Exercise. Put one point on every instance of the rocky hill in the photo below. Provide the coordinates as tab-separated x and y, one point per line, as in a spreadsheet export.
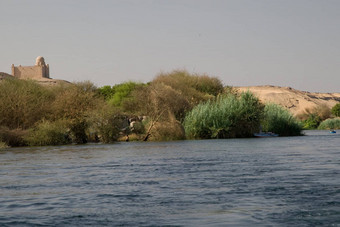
294	100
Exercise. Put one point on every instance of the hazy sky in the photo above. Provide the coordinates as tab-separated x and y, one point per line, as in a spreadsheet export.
292	43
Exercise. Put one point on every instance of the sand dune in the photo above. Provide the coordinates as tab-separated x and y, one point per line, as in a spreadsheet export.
294	100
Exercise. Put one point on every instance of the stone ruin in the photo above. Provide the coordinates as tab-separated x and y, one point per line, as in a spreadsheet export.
39	71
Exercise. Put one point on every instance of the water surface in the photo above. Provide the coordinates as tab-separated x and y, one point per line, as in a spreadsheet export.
288	181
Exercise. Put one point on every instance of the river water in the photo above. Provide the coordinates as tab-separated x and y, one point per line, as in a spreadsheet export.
288	181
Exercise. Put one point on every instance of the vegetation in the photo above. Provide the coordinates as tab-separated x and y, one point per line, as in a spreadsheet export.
281	121
173	106
122	93
168	98
106	124
2	144
312	122
195	88
330	124
226	117
49	133
23	103
12	137
313	117
336	110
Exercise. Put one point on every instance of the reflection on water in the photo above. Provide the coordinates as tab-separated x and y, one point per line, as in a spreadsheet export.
289	181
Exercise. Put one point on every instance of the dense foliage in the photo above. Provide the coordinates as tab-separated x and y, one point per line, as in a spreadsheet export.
336	110
48	133
226	117
40	115
175	105
330	124
312	117
281	121
23	103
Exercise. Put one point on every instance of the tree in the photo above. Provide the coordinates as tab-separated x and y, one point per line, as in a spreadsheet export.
73	103
23	103
163	105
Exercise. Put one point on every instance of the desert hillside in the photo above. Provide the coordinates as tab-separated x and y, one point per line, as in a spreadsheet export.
296	101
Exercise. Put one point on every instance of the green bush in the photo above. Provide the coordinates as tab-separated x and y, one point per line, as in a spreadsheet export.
226	117
312	122
336	110
121	92
279	120
106	91
107	123
49	133
330	124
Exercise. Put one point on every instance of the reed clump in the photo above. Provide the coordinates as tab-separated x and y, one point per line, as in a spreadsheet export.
329	124
281	121
228	116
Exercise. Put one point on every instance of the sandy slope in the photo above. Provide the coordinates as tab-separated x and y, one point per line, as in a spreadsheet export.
296	101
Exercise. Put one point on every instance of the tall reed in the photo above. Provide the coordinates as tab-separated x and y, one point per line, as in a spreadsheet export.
281	121
330	124
226	117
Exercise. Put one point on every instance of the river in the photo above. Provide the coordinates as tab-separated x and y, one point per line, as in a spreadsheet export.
283	181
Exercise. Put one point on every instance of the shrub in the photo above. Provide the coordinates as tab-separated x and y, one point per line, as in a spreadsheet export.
12	137
166	130
74	103
312	117
330	124
312	122
336	110
281	121
226	117
49	133
107	122
121	92
195	88
23	103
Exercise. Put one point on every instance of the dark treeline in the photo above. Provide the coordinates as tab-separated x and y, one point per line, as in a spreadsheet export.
173	106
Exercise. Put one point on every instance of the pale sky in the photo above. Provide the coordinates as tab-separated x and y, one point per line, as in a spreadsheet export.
292	43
